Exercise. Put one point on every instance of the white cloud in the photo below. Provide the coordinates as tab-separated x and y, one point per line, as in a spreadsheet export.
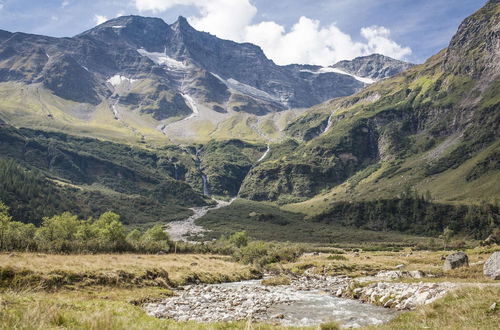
1	6
99	19
65	3
225	18
307	42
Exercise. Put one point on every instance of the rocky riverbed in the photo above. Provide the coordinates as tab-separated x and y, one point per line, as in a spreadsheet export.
308	300
182	230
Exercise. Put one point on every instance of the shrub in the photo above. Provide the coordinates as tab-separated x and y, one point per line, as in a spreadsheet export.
239	239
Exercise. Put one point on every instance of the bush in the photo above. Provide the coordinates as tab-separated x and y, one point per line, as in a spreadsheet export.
336	257
239	239
261	253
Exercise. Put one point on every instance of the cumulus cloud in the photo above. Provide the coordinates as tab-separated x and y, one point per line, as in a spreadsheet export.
225	18
99	19
307	42
64	4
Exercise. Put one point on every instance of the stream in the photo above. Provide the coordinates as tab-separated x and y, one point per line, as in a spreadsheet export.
288	305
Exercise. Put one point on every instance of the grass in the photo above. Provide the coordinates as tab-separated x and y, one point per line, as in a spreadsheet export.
275	281
180	268
466	308
370	262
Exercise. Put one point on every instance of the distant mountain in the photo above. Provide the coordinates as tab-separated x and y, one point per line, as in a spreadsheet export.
374	66
157	79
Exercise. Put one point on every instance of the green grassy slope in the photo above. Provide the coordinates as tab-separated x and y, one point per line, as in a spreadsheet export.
433	128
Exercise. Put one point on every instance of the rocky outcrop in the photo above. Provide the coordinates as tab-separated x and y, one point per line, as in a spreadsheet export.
491	267
398	295
456	260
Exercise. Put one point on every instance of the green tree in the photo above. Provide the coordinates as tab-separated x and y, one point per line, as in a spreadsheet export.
110	232
155	234
5	220
134	236
58	233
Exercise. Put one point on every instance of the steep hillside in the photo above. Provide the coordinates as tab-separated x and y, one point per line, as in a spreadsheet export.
432	128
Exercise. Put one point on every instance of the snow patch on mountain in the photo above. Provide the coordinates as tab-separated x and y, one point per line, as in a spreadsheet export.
117	80
335	70
163	59
247	89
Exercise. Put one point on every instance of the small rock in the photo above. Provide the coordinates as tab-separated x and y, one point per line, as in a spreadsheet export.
493	307
400	266
491	267
278	316
455	260
416	274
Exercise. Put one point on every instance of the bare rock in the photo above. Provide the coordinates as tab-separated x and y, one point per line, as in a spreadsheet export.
491	267
456	260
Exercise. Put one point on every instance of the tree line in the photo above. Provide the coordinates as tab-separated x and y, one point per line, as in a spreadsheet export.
415	214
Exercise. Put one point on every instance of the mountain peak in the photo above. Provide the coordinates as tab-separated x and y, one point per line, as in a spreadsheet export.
374	66
181	24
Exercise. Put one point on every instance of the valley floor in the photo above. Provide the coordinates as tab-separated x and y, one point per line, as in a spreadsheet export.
107	291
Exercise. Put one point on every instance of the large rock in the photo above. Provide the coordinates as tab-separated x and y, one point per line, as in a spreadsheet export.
492	266
455	260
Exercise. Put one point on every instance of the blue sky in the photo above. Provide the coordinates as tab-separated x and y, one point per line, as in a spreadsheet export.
330	29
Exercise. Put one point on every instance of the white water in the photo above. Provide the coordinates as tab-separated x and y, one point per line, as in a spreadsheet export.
178	230
313	307
205	185
264	155
191	104
329	124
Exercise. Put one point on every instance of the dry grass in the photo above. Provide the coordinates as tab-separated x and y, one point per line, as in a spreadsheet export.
276	280
369	263
178	266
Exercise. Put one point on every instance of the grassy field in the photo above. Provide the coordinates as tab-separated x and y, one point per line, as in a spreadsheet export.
268	222
353	263
115	303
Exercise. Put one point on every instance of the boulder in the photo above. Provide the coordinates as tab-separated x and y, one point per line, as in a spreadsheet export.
456	260
491	267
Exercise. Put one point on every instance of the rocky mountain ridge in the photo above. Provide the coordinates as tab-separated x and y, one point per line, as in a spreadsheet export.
158	79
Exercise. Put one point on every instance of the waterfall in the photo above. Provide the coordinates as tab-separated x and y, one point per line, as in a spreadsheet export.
204	178
329	124
264	155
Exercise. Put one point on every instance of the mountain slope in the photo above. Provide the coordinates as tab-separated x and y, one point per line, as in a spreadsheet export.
432	128
140	80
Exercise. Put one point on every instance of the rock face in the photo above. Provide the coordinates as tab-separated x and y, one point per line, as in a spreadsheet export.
456	260
492	266
173	57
